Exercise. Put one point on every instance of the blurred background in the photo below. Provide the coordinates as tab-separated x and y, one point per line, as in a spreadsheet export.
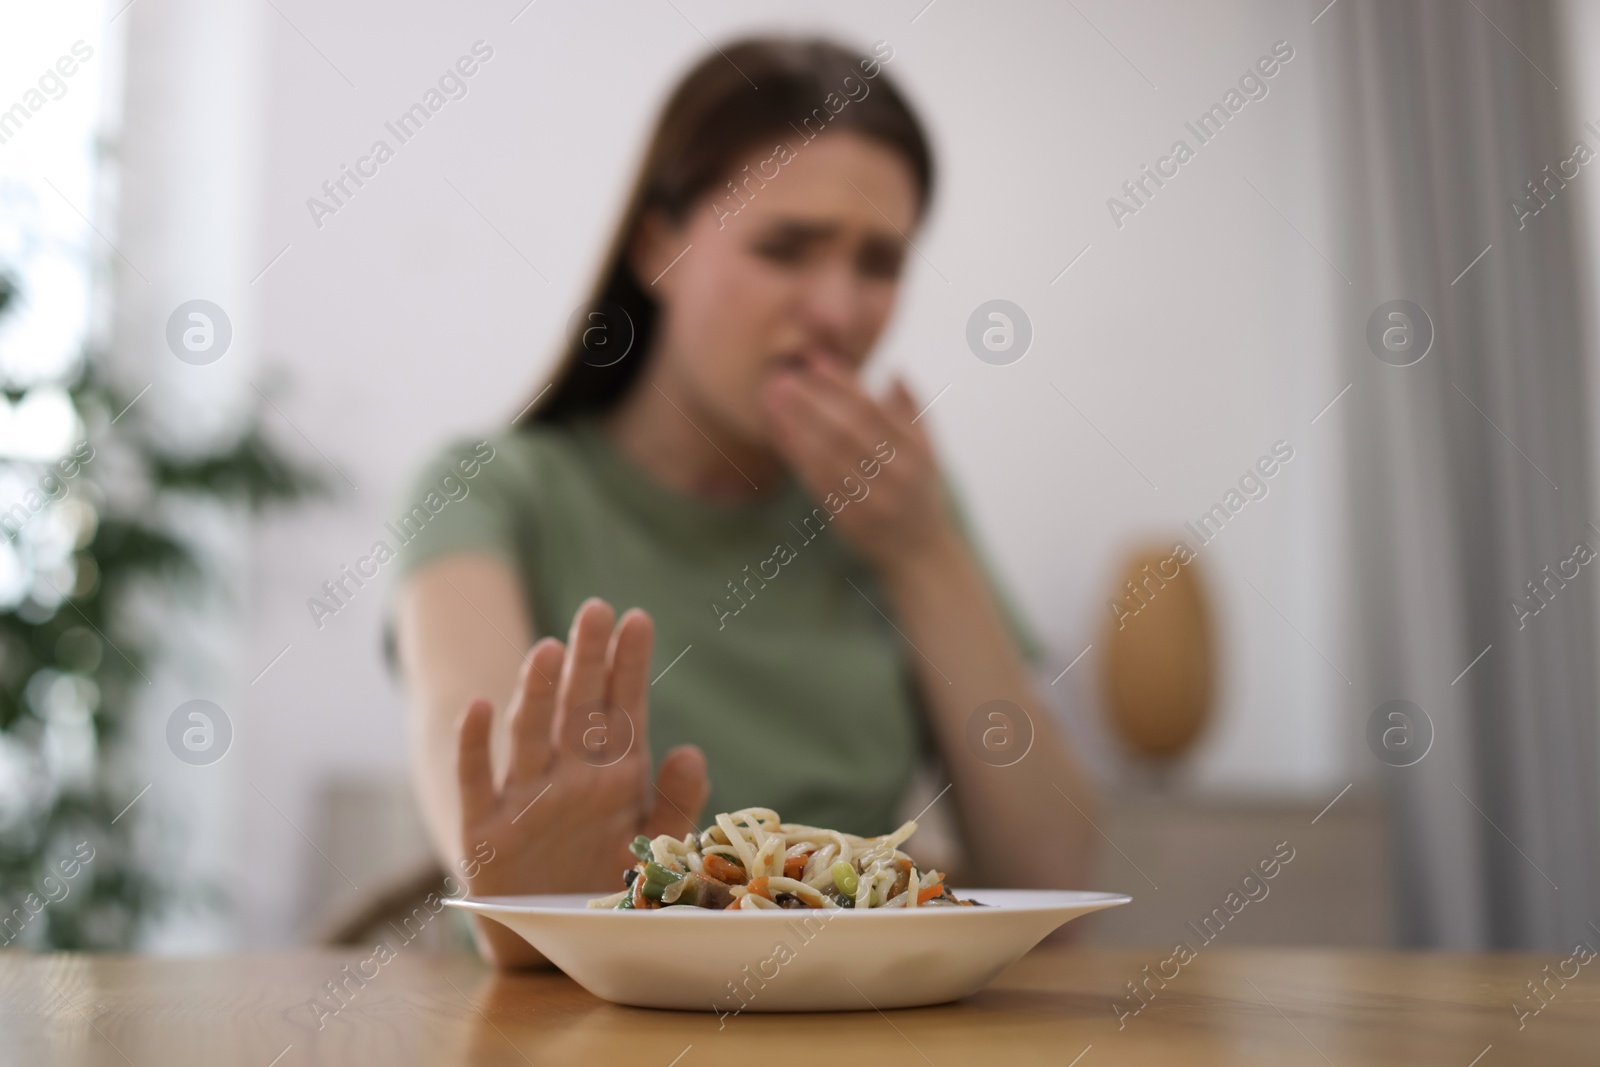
1382	265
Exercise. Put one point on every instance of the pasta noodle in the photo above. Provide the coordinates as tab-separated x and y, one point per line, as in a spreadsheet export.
750	860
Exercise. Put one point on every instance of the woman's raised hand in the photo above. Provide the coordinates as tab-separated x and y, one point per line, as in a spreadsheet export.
575	787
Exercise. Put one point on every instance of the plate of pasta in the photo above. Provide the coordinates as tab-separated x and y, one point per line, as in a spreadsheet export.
756	914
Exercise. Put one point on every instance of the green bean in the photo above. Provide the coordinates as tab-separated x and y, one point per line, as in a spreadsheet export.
657	878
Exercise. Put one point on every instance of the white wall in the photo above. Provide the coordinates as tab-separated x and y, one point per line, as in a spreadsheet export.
1193	337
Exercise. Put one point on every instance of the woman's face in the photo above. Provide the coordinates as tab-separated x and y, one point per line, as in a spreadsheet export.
806	267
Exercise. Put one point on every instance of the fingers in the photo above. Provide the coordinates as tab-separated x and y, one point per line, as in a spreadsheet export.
893	417
628	660
474	776
601	707
816	439
533	710
827	424
681	791
901	405
859	411
583	674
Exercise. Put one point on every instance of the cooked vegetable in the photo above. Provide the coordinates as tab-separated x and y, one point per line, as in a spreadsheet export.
749	860
720	868
657	878
696	890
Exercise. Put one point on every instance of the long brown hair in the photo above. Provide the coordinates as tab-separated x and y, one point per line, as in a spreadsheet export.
727	105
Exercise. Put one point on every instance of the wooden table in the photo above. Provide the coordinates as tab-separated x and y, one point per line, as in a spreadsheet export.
1281	1006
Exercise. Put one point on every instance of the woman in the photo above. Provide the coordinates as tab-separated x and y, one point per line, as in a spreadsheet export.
809	618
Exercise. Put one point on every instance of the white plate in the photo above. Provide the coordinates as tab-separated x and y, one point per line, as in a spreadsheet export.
791	960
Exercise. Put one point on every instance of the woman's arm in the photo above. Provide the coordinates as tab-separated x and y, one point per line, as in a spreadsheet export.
461	628
518	776
1018	821
462	631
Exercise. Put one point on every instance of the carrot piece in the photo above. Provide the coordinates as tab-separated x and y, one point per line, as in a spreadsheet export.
795	866
928	892
759	888
724	871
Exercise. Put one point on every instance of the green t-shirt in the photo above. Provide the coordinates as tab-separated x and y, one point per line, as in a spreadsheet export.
797	688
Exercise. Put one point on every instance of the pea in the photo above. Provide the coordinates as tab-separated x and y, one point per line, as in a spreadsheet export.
844	878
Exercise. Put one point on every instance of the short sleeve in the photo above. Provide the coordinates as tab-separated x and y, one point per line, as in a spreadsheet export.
456	503
1021	631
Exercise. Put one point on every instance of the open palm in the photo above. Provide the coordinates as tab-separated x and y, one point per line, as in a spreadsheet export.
576	787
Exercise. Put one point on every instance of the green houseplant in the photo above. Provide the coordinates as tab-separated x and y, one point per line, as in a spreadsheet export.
82	537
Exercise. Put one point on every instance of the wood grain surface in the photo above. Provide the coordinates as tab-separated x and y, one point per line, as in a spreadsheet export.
1268	1006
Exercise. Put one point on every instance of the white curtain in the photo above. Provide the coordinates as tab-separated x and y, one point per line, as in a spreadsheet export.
1469	470
189	164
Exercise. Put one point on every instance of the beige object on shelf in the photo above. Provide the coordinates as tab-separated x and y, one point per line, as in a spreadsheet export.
1160	653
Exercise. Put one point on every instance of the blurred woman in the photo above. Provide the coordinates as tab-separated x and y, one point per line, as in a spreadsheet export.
806	617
